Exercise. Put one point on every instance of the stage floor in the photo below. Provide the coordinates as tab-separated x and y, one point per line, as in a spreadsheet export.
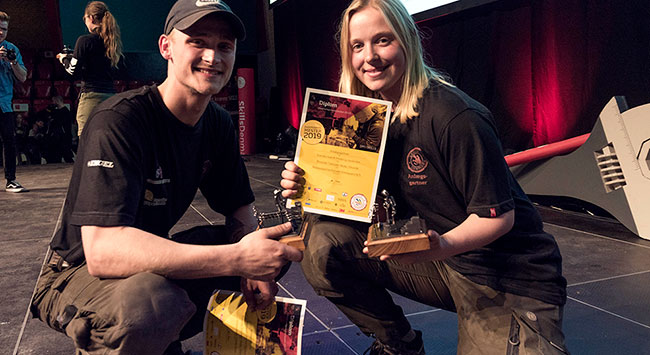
607	268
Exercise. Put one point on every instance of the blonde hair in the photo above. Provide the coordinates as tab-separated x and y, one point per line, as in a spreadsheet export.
108	30
417	75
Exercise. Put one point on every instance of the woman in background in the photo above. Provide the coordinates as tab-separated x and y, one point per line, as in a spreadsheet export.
95	57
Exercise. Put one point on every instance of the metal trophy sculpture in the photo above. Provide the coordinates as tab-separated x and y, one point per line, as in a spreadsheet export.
389	236
283	215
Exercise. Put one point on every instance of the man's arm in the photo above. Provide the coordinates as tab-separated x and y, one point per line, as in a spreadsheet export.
19	71
244	219
114	252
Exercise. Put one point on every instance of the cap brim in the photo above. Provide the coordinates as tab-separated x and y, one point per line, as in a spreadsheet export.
237	26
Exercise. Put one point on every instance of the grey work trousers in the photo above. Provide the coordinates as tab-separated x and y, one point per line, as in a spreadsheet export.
141	314
489	321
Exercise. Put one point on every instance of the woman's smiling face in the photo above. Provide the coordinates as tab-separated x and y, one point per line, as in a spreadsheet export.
377	58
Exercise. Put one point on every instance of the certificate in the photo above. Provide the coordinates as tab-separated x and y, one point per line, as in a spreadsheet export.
340	147
231	328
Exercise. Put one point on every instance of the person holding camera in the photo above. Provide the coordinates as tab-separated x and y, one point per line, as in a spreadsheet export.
94	59
11	69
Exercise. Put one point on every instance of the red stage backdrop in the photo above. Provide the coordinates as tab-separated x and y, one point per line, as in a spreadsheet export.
545	68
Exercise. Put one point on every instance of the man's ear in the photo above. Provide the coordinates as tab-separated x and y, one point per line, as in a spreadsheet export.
164	45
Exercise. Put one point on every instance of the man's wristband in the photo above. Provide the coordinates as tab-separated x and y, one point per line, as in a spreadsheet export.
14	62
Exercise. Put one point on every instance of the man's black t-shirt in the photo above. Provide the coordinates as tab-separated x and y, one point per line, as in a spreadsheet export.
451	165
139	166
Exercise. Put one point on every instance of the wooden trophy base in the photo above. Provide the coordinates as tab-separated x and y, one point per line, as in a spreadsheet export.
296	241
384	239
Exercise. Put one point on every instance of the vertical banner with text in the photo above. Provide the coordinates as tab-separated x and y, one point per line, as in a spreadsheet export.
246	100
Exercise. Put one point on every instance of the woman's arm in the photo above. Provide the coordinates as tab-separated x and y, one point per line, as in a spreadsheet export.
473	233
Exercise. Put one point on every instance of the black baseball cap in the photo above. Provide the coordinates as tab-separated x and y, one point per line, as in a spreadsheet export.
185	13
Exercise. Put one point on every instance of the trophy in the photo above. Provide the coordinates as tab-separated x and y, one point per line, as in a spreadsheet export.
389	236
282	215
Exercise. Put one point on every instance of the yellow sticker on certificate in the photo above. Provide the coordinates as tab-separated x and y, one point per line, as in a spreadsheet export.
340	146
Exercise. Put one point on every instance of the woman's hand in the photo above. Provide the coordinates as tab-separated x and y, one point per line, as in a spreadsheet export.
473	233
438	250
293	181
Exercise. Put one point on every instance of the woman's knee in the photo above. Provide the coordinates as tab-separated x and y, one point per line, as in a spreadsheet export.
329	241
331	251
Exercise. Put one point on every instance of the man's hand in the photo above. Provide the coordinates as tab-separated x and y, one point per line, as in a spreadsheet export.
3	54
292	180
258	294
261	256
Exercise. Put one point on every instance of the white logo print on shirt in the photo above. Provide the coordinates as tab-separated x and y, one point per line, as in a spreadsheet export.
100	163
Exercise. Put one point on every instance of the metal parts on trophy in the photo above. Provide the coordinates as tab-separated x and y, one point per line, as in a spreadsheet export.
399	228
281	215
387	235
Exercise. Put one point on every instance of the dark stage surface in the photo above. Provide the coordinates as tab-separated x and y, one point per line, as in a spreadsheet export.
607	268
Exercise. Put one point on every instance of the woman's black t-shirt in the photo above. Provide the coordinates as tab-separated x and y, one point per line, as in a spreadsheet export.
450	164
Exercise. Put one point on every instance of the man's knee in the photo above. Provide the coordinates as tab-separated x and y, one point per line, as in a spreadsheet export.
144	311
151	298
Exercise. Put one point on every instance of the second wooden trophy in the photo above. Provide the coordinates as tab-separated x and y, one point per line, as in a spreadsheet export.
387	235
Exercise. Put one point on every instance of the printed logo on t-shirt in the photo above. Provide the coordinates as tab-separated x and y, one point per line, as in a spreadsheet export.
415	160
148	195
151	200
100	163
416	163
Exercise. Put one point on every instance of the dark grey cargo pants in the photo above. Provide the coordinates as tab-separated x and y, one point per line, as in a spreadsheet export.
141	314
489	321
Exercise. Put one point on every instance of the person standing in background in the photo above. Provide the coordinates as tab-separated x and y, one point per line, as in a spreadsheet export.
11	68
96	56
